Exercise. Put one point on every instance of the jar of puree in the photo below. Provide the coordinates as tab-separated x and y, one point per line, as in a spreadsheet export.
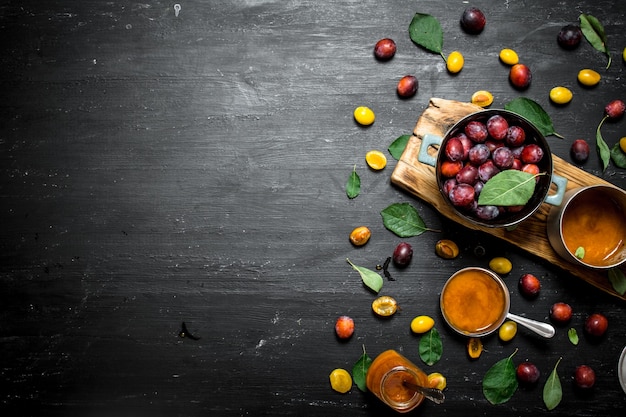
386	378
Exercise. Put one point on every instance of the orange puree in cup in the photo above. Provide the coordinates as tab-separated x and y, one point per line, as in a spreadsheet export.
595	223
386	376
473	302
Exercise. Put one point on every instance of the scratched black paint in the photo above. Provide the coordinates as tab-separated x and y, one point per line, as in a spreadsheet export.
192	168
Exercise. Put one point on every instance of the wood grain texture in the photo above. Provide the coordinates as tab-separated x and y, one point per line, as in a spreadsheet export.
420	179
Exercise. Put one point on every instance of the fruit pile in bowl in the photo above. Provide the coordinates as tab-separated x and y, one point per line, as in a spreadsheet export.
494	168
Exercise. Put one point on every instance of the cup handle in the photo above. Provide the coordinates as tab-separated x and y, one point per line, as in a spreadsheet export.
543	329
427	141
561	184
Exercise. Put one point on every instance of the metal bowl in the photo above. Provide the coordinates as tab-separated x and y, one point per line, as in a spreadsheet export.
506	218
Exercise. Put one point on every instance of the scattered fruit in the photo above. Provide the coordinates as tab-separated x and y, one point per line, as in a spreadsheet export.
364	115
446	249
422	324
520	76
360	235
503	158
615	109
376	160
622	144
344	327
385	49
340	380
473	20
455	62
596	325
454	149
402	254
516	136
584	377
449	169
531	169
407	86
467	175
531	154
474	347
476	131
482	98
507	331
579	150
462	195
436	380
569	36
509	57
561	95
500	265
385	306
529	285
561	312
588	77
527	373
497	127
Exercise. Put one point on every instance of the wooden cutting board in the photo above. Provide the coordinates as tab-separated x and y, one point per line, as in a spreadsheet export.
419	179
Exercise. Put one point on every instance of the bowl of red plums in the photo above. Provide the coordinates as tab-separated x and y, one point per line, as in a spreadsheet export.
494	168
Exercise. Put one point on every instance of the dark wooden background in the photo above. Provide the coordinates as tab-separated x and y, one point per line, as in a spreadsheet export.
157	169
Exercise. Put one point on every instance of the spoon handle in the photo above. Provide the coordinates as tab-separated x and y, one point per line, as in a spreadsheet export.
542	329
435	395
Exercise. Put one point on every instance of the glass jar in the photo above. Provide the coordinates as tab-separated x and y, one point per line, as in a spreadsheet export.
386	376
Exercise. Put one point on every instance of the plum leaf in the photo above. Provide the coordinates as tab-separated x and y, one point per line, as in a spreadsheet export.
595	35
425	30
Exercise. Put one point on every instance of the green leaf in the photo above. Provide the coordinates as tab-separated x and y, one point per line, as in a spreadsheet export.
508	188
426	32
573	336
532	111
595	35
618	280
603	148
552	392
370	278
430	347
359	371
500	382
353	186
580	252
618	156
403	220
397	146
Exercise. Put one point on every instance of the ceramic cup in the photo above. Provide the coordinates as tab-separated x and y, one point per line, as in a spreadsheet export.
589	227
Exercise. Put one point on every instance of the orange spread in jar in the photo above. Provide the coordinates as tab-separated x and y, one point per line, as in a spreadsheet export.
386	376
595	223
473	302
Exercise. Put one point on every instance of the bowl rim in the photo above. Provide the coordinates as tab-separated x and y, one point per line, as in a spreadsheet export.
621	369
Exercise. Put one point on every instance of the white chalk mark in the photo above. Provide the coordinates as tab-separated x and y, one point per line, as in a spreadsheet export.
176	9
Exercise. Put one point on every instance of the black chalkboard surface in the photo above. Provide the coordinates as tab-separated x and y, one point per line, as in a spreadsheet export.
161	166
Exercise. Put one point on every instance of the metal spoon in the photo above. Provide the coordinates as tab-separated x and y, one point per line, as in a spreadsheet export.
433	394
542	329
